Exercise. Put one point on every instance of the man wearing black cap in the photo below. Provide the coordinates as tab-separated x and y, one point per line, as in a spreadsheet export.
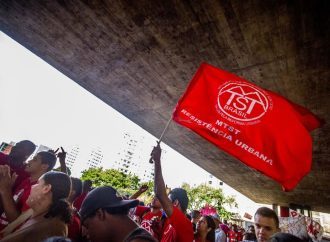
178	227
104	216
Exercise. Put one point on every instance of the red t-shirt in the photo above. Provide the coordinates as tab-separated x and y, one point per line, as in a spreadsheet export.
138	212
177	228
147	222
232	236
20	195
20	171
74	227
239	236
79	200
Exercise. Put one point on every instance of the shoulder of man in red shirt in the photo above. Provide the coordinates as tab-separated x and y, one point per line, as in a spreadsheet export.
141	211
74	227
3	159
178	228
20	195
149	215
79	200
20	171
23	191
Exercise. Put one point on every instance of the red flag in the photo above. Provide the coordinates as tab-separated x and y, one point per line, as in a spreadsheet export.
260	128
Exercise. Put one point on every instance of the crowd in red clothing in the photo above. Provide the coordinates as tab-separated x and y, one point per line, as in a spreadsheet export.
38	204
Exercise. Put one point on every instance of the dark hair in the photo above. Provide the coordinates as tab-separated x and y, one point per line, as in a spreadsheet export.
48	158
210	224
268	213
180	195
87	185
76	186
195	213
60	187
28	145
284	237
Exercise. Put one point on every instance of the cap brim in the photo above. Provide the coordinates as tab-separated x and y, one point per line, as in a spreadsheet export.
124	203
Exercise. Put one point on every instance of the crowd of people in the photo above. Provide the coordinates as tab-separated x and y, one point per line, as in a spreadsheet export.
38	204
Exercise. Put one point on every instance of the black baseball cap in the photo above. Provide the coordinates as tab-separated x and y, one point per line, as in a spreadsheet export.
103	197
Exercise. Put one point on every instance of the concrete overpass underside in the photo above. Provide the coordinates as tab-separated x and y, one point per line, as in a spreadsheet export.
138	57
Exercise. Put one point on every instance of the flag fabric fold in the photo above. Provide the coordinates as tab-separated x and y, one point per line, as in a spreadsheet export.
260	128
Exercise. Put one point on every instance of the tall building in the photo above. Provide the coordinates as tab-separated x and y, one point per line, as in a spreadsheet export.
133	157
80	158
95	158
71	157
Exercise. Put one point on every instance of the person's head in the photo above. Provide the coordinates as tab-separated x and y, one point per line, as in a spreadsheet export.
216	220
284	237
234	227
51	192
87	185
251	229
155	203
42	162
266	223
195	216
179	198
206	226
76	189
103	213
21	151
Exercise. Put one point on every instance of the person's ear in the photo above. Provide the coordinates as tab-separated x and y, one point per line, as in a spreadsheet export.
47	188
208	229
44	167
176	203
100	214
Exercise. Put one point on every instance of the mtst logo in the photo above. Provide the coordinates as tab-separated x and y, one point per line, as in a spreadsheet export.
241	102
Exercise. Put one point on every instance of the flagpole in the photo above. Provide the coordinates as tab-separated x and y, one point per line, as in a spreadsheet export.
162	135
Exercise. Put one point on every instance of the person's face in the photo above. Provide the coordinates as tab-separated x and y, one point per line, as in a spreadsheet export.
35	165
197	218
155	203
264	227
202	227
94	227
251	229
38	192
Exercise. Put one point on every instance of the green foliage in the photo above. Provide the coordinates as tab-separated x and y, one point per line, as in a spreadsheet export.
203	194
199	196
124	183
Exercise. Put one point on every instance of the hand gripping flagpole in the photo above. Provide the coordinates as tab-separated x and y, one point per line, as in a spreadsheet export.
161	137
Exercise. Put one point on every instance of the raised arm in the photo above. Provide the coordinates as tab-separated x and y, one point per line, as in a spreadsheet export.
141	190
160	188
6	183
61	157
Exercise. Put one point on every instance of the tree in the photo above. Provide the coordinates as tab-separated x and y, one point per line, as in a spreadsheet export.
203	194
124	183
